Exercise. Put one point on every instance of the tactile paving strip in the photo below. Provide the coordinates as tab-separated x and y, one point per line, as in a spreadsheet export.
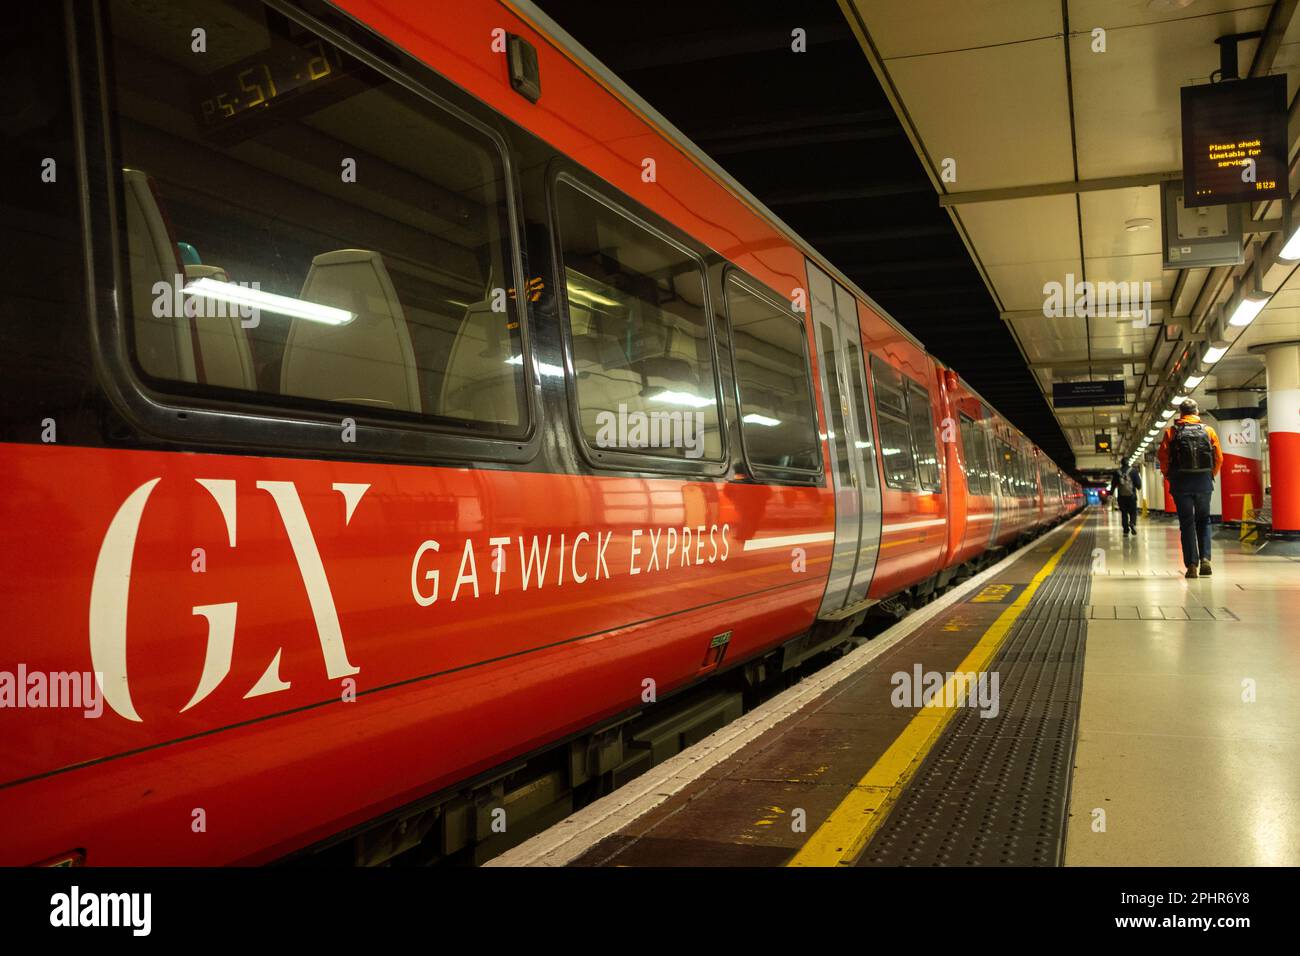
994	790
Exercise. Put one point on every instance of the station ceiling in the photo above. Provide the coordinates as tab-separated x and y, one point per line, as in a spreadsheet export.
1042	102
815	137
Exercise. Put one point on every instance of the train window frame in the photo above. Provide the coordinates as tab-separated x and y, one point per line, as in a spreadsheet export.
214	417
976	465
769	473
564	171
894	417
913	387
1006	467
989	479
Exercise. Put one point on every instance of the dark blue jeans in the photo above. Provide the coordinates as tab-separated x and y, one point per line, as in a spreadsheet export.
1128	511
1194	524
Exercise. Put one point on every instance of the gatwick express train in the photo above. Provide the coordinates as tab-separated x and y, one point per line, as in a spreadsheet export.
406	436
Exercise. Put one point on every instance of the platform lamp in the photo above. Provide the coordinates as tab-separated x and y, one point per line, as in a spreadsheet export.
1217	344
1249	297
1291	231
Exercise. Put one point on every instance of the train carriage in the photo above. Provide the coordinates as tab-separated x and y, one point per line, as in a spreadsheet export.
402	425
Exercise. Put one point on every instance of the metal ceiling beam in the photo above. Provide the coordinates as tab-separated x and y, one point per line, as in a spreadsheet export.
1279	19
1058	189
1157	305
1111	366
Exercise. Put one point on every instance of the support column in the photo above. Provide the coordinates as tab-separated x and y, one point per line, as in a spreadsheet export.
1152	487
1283	363
1216	490
1239	433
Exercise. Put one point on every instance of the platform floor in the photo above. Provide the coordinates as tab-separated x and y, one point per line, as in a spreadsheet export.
1188	767
1141	719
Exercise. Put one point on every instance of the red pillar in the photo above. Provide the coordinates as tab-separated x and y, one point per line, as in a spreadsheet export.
1241	438
1283	363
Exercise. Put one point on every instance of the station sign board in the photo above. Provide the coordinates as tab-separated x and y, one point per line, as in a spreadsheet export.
1087	394
1235	141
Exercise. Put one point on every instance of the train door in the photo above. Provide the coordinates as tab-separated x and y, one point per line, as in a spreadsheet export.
995	473
842	380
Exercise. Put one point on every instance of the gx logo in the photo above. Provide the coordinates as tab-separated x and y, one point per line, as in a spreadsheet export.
112	581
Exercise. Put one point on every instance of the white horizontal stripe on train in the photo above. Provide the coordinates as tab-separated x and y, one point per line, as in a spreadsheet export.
909	525
986	516
760	544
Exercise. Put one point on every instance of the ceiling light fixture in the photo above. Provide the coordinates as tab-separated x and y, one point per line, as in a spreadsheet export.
1247	309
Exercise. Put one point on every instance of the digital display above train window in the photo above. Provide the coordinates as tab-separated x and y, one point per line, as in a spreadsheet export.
271	78
1234	141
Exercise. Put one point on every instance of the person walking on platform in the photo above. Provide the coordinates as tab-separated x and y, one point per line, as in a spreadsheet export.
1190	457
1125	486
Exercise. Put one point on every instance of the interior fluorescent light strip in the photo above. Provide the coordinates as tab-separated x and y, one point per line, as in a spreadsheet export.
269	302
681	398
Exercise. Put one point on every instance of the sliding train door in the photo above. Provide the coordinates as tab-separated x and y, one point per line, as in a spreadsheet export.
843	385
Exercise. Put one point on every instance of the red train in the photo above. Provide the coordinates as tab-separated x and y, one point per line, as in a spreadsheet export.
407	435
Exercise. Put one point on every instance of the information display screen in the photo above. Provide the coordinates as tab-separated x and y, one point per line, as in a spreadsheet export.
1234	141
1088	394
283	73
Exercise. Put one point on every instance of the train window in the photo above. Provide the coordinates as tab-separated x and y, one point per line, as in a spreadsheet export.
778	423
639	332
976	457
896	453
983	456
1006	468
856	386
922	421
302	230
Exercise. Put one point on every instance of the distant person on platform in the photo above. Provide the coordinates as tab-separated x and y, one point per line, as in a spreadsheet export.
1190	457
1125	487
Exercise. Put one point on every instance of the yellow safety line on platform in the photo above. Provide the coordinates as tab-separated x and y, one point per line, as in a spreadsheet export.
846	832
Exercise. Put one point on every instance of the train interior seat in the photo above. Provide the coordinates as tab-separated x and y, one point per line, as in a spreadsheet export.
223	344
606	377
479	381
367	361
166	344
